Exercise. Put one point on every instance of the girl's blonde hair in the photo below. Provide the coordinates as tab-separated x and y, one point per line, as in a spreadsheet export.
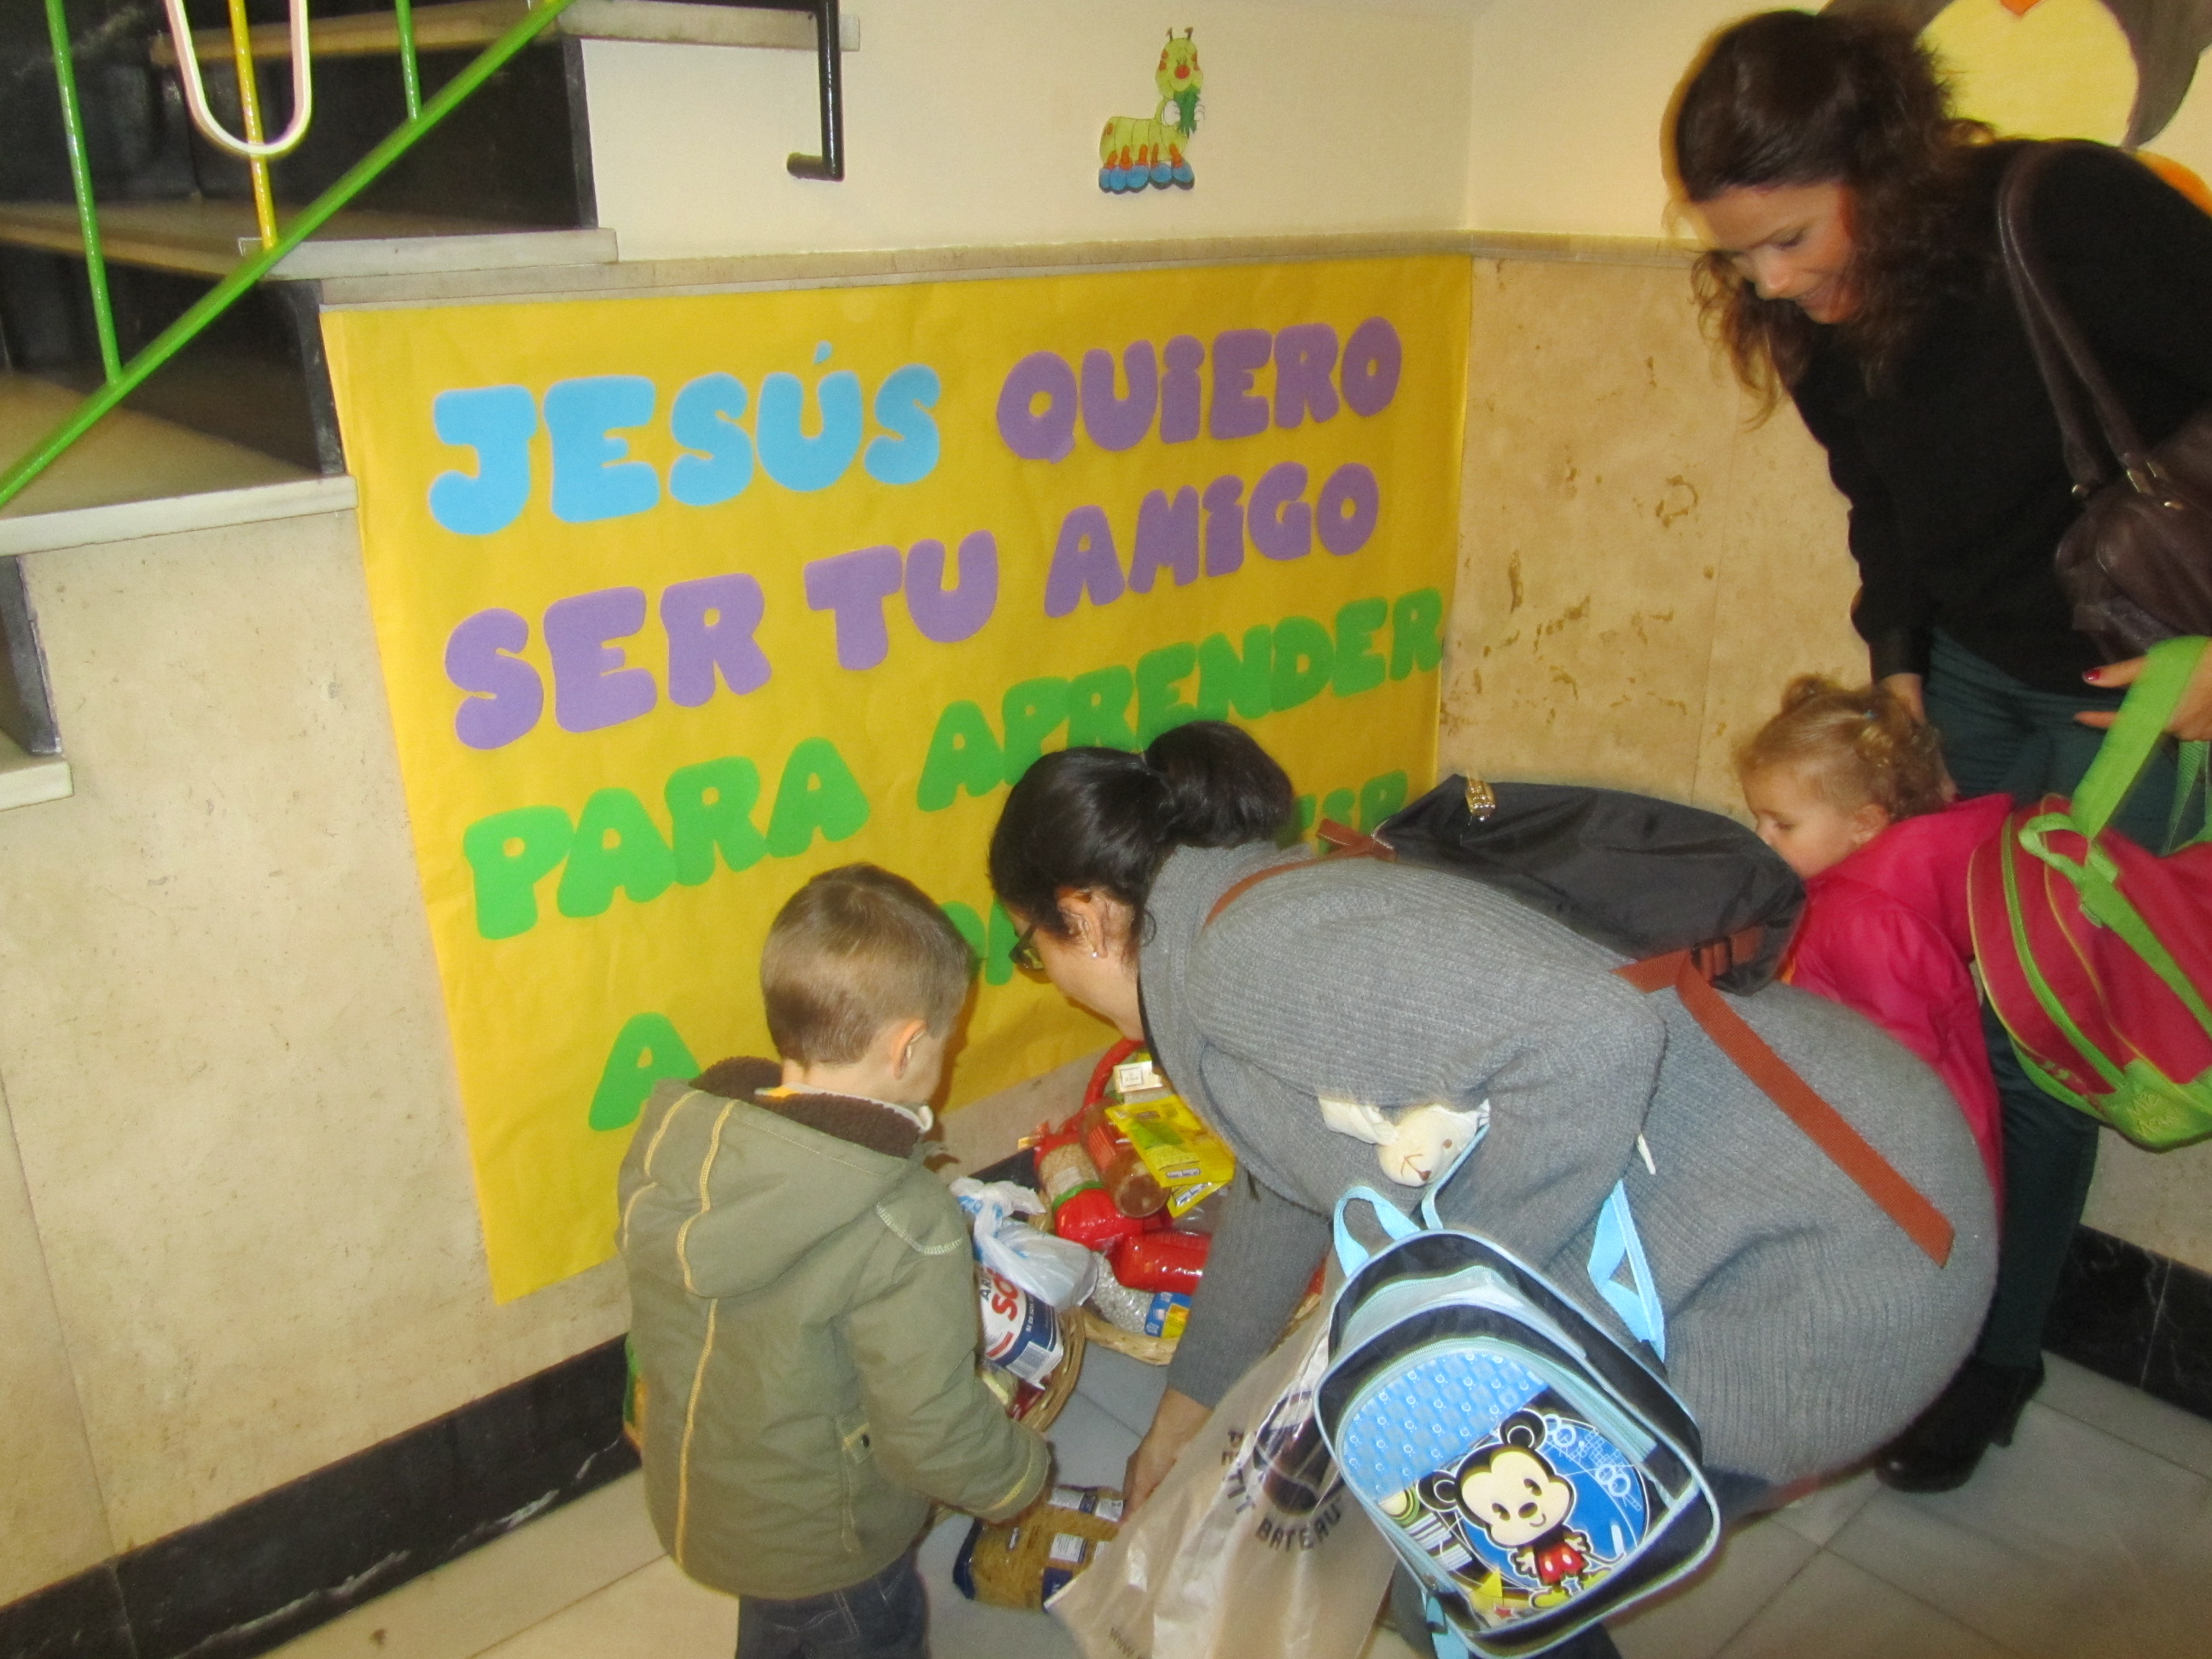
1853	744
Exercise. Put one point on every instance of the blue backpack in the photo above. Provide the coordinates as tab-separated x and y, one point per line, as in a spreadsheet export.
1535	1475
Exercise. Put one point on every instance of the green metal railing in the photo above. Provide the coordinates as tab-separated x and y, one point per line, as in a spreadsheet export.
123	379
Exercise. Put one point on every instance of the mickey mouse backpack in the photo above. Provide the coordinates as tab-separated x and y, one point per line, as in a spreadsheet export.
1533	1474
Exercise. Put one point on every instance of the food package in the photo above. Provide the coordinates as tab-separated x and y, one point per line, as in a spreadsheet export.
1082	1209
1021	1334
1025	1562
1132	1187
1141	1313
1189	1160
1168	1259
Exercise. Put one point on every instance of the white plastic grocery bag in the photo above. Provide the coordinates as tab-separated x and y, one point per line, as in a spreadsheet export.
1251	1548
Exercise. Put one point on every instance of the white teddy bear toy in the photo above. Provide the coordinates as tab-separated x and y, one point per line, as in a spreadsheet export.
1413	1147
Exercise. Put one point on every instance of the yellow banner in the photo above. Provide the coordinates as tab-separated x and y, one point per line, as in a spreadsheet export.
682	599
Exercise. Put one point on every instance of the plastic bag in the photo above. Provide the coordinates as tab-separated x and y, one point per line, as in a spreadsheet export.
1056	1271
1251	1548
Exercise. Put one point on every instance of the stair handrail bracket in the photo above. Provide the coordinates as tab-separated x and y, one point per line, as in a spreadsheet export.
303	88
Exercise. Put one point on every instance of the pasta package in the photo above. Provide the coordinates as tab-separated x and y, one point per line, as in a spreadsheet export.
1025	1562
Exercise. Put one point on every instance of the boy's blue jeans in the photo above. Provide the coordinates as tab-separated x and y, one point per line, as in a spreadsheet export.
886	1617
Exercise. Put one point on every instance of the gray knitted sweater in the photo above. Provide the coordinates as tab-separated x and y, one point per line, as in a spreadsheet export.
1803	1327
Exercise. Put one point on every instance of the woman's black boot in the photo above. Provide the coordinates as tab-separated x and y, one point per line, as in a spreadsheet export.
1979	1408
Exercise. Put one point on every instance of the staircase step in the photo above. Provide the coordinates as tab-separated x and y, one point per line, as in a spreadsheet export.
208	238
461	24
137	475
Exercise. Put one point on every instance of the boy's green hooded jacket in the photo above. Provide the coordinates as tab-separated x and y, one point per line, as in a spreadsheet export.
804	1317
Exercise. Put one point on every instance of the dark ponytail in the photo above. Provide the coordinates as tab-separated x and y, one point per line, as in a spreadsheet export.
1103	820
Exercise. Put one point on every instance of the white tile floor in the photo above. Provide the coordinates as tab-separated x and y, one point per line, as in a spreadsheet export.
2091	1536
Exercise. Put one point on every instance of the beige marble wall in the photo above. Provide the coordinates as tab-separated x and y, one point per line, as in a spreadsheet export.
222	1044
49	1509
1641	570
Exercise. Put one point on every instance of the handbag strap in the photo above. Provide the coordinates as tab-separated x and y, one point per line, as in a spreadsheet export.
1827	1127
2058	342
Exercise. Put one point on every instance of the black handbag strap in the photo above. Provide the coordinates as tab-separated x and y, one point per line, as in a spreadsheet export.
2063	357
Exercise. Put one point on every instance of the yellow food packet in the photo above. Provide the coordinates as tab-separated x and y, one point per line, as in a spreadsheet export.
1185	1156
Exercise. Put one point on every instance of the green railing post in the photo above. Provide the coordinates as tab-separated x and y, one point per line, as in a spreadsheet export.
410	76
87	216
180	333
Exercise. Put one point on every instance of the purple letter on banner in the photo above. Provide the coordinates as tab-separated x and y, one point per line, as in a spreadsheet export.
1238	355
592	689
710	624
1167	539
1304	358
1372	358
1224	526
1282	524
509	694
1119	423
951	617
1034	434
1183	395
1350	502
854	586
1084	561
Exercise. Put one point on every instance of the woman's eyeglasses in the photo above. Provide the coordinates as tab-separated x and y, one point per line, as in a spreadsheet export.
1025	955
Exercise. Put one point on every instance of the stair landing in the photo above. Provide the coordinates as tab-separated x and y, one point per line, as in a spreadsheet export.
208	238
136	475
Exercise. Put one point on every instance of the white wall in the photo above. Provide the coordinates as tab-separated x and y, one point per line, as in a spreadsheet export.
977	121
1568	99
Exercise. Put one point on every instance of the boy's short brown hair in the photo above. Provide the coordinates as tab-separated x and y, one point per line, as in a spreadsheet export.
853	951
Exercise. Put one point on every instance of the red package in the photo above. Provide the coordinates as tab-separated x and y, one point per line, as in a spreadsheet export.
1168	1259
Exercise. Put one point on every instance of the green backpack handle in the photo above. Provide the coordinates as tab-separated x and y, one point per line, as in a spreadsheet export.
2133	737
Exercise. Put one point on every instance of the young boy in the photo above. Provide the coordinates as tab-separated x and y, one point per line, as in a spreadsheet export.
802	1299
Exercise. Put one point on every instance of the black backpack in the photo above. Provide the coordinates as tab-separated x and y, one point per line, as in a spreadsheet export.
1642	876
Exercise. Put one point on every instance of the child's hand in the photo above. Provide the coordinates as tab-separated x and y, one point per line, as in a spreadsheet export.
2192	718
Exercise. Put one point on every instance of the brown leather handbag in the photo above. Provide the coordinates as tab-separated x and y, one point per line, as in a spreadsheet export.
2137	563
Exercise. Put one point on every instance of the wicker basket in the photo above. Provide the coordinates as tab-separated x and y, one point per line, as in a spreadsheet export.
1041	1407
1152	1350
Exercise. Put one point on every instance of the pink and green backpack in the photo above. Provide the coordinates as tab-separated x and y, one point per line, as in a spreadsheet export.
2097	953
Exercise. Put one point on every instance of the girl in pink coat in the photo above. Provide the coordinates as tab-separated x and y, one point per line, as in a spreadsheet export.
1850	789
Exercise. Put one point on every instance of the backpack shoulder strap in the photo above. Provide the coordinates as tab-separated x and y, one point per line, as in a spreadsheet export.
1827	1127
1688	972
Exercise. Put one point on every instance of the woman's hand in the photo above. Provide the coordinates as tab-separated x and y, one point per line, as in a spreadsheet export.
1176	1420
1907	689
2192	718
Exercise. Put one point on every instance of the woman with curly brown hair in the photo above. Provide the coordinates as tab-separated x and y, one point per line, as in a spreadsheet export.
1854	266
